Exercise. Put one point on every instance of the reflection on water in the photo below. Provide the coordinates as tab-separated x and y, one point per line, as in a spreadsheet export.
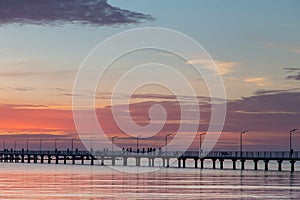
34	181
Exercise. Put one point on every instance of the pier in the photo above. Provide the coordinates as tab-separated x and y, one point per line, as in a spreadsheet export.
86	157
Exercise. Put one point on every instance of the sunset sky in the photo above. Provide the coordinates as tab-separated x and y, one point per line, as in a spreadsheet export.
255	45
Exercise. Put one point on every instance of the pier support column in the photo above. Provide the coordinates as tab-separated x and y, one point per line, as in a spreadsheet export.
49	159
168	162
73	160
65	159
202	163
42	158
242	164
196	162
183	162
214	163
125	161
292	165
28	158
149	162
221	163
179	162
164	162
22	159
82	160
137	161
233	163
255	164
35	159
102	160
279	165
152	162
266	165
56	159
92	160
113	161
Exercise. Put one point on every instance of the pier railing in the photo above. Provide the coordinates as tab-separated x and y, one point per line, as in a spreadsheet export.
246	154
173	154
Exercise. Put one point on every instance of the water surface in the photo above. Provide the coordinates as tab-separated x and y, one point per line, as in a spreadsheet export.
42	181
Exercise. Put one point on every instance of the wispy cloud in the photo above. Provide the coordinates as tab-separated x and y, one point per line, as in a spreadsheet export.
288	48
268	92
96	13
26	72
295	77
259	81
293	70
224	67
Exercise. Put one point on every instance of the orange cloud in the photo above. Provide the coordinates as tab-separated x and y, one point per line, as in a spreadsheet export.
259	81
26	118
223	67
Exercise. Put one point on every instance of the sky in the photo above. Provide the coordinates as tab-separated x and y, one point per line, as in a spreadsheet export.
255	45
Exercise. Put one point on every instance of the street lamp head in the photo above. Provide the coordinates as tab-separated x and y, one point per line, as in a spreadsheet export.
114	137
244	132
293	130
169	134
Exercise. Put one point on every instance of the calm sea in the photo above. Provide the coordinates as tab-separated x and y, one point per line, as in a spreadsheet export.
42	181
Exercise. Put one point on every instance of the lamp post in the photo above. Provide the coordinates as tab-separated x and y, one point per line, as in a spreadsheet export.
200	143
55	143
166	142
72	144
41	140
15	147
91	143
137	143
27	144
4	144
112	142
241	142
291	150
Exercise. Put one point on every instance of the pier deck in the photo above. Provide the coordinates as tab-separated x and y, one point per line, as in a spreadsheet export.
87	157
